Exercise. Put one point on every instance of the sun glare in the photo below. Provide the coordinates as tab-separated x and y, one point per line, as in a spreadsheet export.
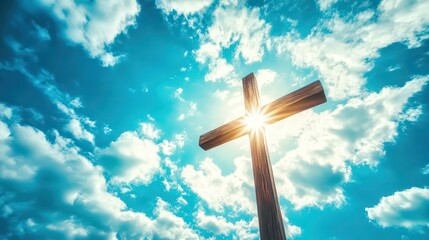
255	121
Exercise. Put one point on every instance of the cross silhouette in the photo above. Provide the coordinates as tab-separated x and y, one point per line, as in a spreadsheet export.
252	123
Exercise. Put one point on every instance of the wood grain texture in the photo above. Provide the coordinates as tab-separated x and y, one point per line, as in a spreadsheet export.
288	105
269	213
295	102
223	134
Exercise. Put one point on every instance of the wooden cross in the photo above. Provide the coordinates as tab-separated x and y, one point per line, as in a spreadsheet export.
269	213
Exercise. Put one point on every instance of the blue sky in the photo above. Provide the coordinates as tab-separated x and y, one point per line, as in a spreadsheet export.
102	104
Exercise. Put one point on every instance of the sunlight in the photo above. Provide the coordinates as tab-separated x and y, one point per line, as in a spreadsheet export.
255	121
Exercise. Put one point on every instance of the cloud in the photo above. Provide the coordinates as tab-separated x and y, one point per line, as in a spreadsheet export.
234	190
130	159
178	94
45	82
107	129
50	191
219	69
76	129
325	4
313	173
168	147
265	77
149	130
94	25
425	170
5	111
249	31
357	41
192	107
76	103
248	36
66	190
185	7
42	33
408	208
170	226
215	224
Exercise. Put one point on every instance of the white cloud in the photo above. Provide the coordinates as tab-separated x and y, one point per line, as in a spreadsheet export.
314	173
234	190
181	117
247	230
185	7
178	94
248	35
170	226
61	183
219	69
70	227
4	131
249	31
221	94
130	159
149	130
325	4
5	111
45	81
182	201
207	51
425	170
341	50
167	147
408	208
192	109
74	127
76	103
94	25
50	191
265	77
215	224
106	129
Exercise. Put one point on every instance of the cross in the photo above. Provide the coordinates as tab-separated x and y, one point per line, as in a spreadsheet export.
252	123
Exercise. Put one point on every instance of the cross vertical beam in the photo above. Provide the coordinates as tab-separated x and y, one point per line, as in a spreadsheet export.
269	213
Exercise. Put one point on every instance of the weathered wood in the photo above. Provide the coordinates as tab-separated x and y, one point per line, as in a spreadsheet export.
223	134
269	213
295	102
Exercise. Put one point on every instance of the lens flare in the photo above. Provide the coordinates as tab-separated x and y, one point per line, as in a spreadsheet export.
255	121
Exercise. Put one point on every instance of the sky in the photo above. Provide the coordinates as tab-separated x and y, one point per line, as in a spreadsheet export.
102	103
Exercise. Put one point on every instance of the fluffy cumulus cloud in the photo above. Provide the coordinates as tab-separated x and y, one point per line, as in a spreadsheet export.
314	172
183	7
216	224
234	190
93	24
131	158
170	226
221	192
408	208
50	191
341	50
265	77
249	35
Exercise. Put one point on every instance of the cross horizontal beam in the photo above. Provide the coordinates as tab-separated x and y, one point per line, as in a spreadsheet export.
288	105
